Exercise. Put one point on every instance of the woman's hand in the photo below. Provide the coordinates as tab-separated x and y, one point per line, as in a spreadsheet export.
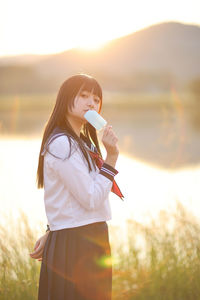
109	140
39	247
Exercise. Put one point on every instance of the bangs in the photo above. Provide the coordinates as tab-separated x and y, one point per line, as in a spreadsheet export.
76	84
90	84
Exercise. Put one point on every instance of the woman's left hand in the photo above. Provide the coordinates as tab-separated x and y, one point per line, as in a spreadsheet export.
39	247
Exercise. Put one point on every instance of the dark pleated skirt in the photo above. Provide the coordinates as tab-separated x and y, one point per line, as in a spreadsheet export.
76	264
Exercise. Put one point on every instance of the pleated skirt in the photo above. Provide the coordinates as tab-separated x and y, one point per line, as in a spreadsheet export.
76	264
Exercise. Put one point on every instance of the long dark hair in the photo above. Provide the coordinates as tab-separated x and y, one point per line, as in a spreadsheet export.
65	99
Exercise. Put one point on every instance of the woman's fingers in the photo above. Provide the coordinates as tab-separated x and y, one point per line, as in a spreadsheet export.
36	245
109	136
39	247
107	129
109	140
37	253
108	132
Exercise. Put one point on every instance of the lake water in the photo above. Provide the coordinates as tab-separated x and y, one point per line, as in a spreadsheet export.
147	189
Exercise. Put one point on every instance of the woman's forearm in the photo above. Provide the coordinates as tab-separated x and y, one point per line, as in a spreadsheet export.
111	159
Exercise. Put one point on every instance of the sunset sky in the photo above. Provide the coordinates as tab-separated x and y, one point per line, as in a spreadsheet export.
42	27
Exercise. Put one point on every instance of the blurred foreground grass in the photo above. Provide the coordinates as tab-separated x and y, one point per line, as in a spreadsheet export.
167	266
160	260
19	273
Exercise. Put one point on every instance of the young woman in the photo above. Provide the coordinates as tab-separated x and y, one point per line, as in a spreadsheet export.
75	251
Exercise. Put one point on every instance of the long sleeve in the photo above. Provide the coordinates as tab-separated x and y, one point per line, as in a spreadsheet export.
90	189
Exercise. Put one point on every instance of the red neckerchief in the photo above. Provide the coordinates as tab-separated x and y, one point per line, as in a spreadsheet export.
99	162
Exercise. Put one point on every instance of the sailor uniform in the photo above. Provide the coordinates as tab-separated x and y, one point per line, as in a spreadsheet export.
76	262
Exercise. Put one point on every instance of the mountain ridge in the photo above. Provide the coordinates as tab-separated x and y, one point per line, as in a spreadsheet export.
168	52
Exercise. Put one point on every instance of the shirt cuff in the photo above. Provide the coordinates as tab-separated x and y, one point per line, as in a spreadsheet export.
108	171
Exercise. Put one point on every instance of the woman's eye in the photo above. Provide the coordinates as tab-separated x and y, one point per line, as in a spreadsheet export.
97	101
84	95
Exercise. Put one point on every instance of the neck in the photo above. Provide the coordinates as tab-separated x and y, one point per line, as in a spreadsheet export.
76	124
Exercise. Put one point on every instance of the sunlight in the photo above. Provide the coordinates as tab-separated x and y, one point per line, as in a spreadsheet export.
76	24
88	44
91	45
147	190
86	24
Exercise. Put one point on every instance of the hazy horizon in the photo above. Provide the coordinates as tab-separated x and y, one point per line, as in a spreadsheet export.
101	46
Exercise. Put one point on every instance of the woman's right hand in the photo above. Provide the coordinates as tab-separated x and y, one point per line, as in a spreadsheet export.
39	247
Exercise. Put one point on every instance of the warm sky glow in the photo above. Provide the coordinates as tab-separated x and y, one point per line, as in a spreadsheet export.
49	26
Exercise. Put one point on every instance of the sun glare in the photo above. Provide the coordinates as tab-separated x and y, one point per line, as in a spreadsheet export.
91	45
87	24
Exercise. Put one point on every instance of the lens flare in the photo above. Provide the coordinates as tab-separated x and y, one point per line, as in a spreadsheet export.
107	261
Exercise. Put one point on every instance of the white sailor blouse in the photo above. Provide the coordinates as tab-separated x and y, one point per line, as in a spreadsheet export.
73	195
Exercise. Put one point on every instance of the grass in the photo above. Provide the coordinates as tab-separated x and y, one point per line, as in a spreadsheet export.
166	265
19	273
160	260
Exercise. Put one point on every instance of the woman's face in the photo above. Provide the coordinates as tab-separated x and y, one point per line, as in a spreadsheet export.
83	102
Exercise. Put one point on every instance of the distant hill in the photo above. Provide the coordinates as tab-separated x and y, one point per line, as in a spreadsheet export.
151	59
27	59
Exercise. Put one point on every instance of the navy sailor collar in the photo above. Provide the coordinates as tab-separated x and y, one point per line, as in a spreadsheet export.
60	132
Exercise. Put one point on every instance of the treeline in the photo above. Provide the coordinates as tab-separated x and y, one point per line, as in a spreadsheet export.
27	79
23	79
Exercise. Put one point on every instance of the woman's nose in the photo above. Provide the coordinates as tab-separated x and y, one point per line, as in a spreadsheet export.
91	102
